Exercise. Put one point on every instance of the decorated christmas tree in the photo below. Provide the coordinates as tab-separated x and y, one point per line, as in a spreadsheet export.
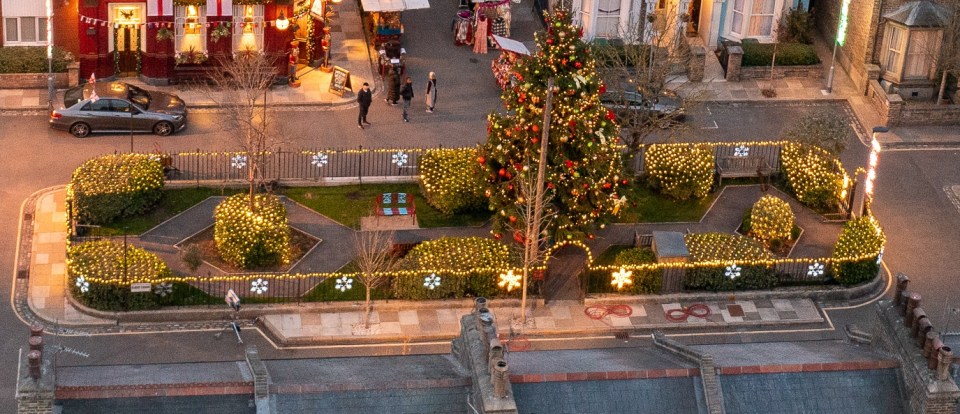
583	168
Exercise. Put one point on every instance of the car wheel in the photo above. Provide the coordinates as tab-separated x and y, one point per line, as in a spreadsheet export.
80	129
163	128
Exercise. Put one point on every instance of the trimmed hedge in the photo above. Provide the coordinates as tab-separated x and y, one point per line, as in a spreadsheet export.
788	54
451	180
476	261
712	247
113	186
32	59
680	171
813	175
861	236
771	219
717	278
644	281
98	278
252	238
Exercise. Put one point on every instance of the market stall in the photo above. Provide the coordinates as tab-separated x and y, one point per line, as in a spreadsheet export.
486	18
510	51
385	23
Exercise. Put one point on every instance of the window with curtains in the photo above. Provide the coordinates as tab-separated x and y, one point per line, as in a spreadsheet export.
25	31
736	10
248	28
753	19
761	18
894	43
586	7
190	28
921	52
608	18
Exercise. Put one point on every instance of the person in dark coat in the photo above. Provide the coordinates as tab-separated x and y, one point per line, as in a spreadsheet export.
407	94
364	99
393	86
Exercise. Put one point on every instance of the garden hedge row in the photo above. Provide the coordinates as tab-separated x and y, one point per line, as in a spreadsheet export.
92	266
32	59
114	186
680	171
451	180
476	262
788	54
812	174
255	238
861	236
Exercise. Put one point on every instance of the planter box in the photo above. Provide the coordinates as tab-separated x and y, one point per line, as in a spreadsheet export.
781	72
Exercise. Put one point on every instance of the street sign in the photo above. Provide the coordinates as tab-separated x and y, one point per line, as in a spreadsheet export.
232	299
140	287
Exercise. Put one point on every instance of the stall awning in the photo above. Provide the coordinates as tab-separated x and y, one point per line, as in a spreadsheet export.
511	45
393	5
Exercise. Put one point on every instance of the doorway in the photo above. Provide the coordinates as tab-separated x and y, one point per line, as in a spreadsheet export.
127	51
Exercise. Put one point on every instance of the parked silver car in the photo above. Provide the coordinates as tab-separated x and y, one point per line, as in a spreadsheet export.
118	107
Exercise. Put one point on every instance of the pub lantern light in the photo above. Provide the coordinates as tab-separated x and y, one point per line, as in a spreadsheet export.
282	22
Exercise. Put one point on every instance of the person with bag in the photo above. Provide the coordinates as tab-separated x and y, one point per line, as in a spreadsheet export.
431	92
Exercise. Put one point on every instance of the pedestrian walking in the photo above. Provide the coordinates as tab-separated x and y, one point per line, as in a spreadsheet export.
364	99
431	92
407	94
393	85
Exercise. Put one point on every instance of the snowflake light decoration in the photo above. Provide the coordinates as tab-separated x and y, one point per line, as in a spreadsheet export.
431	282
238	161
344	284
83	284
621	278
163	289
880	256
741	151
733	271
259	286
815	270
509	280
400	158
320	159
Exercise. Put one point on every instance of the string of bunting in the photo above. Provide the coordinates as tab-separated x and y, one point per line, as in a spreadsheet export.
105	23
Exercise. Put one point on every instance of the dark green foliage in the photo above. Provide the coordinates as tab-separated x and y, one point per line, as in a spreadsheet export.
476	261
824	128
714	278
114	186
32	59
796	26
788	54
105	272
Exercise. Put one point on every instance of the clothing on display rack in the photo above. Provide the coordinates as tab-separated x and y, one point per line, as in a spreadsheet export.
499	27
463	29
480	38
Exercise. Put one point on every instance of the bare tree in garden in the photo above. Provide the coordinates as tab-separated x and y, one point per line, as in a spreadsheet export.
530	228
949	59
374	259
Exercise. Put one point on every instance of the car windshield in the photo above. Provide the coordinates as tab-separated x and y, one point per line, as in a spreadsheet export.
139	96
72	96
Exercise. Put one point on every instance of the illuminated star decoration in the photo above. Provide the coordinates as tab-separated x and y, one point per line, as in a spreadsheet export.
259	286
815	270
344	284
83	284
509	280
320	159
238	161
733	271
741	151
621	278
432	281
163	289
400	158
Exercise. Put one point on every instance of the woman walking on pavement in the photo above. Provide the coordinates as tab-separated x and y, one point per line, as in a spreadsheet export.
407	94
431	92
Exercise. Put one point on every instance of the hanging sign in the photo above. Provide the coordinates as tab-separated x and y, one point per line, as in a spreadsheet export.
340	81
140	287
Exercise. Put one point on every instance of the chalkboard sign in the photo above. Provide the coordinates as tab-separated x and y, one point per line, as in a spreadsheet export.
340	81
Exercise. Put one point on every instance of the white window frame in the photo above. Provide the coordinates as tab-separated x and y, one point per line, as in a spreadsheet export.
180	18
748	14
40	36
893	48
609	20
756	16
239	15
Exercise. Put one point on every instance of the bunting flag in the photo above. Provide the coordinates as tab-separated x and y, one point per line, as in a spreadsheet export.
219	8
104	23
159	7
94	97
93	78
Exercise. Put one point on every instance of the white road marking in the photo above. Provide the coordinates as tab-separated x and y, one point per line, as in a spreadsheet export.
715	126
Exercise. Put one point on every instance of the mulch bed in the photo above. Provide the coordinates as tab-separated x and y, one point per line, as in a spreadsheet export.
300	244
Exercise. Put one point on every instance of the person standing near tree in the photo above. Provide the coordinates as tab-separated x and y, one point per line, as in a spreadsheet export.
431	92
364	99
407	94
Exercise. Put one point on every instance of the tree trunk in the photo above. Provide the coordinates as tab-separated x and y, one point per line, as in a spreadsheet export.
368	309
532	244
943	87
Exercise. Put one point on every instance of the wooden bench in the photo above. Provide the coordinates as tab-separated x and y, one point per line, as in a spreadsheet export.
741	167
395	204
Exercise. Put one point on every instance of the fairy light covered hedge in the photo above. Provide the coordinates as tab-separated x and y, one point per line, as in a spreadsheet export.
451	180
815	176
114	186
583	162
99	273
248	238
863	238
463	264
771	219
682	171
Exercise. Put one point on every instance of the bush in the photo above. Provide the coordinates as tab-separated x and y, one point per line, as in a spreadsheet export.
98	278
466	266
451	180
714	247
813	175
857	251
682	171
771	219
114	186
644	281
249	239
796	26
32	59
788	54
730	277
611	54
824	129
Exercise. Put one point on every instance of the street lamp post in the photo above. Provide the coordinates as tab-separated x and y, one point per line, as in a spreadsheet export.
841	37
51	91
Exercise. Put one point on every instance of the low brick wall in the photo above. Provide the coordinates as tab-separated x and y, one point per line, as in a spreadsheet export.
32	80
781	72
894	111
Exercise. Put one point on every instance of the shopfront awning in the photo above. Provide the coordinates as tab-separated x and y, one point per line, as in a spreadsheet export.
511	45
393	5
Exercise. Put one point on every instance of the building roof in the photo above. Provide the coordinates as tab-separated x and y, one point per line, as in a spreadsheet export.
923	13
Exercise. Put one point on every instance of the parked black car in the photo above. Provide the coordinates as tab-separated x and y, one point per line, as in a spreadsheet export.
118	107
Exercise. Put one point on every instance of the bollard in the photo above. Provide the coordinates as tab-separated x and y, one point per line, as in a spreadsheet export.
934	356
945	357
479	303
36	343
915	316
902	307
498	376
33	361
36	330
928	344
913	300
902	282
923	327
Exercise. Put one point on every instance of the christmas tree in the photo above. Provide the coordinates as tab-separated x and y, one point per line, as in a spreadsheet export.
583	156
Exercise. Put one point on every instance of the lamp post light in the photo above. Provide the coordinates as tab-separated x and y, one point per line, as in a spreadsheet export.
841	38
51	91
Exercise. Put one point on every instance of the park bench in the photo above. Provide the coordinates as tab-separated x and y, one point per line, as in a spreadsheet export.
741	167
395	204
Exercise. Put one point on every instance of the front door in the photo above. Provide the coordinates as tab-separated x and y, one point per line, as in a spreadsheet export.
128	38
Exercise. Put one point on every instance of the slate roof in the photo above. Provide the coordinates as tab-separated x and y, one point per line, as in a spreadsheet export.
923	13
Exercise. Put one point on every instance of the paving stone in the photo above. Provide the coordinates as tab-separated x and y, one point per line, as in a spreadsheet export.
782	304
408	317
768	314
747	305
727	318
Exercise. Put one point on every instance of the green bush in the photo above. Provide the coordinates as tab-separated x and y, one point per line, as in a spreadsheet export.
32	59
857	250
250	239
100	275
618	55
724	247
644	281
114	186
451	180
823	128
681	171
466	266
771	219
788	54
796	26
730	277
813	175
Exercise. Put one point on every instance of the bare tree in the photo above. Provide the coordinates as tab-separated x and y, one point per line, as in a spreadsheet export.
533	221
374	260
949	53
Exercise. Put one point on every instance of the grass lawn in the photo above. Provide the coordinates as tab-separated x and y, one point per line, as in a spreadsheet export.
645	205
346	204
173	202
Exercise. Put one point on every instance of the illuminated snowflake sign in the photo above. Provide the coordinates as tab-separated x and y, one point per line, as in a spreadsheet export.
259	286
344	284
238	161
509	280
320	159
622	278
733	271
431	282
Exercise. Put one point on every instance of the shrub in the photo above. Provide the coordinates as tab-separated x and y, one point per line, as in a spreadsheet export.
771	219
814	176
796	26
788	54
645	280
249	239
682	171
856	255
99	278
32	59
724	247
730	277
467	266
615	54
451	180
114	186
825	129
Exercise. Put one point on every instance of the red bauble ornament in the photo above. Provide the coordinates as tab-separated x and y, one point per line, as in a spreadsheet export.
590	236
549	41
580	32
624	182
535	128
611	116
518	237
502	172
513	219
577	65
603	88
573	124
585	185
569	164
550	186
497	236
481	160
607	186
